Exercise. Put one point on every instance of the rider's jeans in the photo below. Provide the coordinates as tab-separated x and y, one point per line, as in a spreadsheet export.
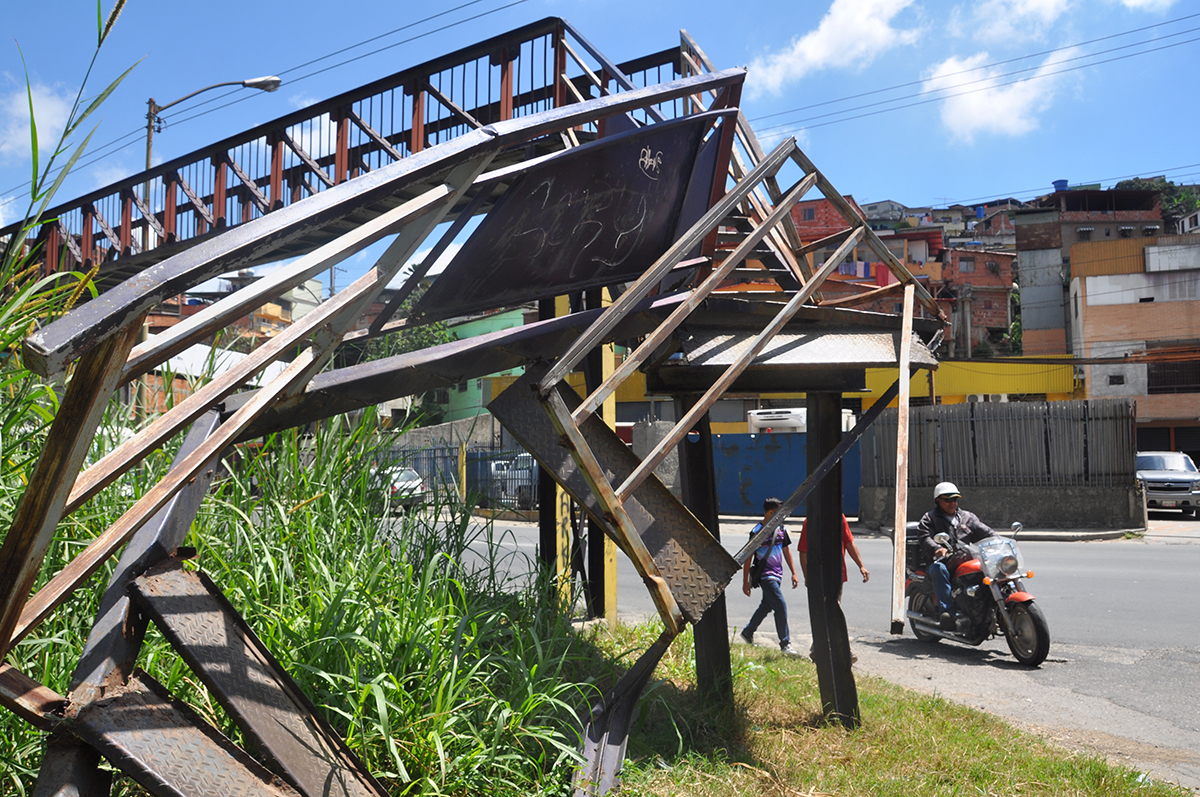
772	600
941	585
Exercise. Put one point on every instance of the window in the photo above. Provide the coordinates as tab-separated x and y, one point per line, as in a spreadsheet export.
1145	299
1178	377
1125	232
1084	233
1116	379
462	387
809	214
966	264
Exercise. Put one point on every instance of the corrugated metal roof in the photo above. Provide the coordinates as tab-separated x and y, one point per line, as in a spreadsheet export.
835	349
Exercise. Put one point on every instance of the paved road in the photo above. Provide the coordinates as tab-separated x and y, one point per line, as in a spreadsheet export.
1123	676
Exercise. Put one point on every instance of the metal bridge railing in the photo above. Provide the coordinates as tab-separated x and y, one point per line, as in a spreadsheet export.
140	220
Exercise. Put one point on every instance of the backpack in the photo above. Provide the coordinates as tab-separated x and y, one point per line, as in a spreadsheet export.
756	571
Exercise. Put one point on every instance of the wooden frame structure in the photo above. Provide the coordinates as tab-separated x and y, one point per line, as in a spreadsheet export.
669	288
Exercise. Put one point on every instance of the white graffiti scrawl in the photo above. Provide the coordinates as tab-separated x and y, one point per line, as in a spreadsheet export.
650	163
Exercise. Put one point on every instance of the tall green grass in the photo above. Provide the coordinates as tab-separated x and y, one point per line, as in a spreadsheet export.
445	678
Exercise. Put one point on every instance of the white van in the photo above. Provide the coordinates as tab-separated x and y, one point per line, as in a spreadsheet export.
790	419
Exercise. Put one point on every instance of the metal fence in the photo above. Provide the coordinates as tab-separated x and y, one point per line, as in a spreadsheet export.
495	477
1045	444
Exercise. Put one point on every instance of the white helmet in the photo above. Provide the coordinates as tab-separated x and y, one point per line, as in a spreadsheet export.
946	490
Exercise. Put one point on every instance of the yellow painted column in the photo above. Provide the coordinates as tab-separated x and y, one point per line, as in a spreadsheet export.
608	411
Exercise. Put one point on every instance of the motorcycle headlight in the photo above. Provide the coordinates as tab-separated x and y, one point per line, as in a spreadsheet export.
1008	565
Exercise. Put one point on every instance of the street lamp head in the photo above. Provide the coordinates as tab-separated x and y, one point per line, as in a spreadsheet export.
268	83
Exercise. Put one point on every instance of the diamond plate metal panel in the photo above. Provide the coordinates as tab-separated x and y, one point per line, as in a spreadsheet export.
165	746
694	565
251	685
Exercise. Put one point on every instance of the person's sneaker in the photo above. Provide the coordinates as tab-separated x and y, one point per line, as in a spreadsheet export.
747	638
853	659
788	650
947	621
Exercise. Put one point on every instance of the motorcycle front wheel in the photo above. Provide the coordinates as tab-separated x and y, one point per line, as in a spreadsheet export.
922	603
1029	637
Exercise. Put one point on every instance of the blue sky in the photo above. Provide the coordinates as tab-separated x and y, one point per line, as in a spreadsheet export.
1044	89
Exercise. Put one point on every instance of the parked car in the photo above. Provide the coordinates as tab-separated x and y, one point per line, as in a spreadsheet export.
514	482
1170	479
405	486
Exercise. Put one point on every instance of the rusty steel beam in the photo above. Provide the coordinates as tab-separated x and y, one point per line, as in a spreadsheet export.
164	745
112	646
250	684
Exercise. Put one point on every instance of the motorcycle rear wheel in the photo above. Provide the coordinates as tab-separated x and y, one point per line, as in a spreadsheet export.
922	603
1029	639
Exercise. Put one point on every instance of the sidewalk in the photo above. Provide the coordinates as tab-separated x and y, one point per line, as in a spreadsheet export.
1039	535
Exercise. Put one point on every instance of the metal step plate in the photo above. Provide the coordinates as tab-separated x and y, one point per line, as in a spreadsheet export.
251	685
164	745
693	563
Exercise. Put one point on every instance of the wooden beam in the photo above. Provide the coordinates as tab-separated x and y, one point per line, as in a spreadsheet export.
67	580
41	505
901	508
28	699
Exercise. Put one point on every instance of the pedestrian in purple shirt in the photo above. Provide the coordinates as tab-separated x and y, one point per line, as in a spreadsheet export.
776	551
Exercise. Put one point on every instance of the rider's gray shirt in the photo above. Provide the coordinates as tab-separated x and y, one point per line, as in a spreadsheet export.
962	526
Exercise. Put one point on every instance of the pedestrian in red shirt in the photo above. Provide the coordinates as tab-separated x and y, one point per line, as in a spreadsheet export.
848	546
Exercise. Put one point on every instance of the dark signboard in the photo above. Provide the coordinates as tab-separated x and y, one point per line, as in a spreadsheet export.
597	215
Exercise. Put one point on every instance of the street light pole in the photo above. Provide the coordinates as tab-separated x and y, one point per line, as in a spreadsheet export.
268	83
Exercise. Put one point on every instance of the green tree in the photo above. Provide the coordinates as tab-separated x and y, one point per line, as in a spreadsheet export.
1177	200
425	412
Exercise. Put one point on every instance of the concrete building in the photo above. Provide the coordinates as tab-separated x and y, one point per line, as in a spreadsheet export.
1045	234
1137	302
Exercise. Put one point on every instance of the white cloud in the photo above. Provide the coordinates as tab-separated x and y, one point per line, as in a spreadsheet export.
992	106
317	137
1015	20
851	34
1148	5
10	209
50	108
107	173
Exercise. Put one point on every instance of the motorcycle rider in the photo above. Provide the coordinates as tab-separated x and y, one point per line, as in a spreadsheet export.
961	526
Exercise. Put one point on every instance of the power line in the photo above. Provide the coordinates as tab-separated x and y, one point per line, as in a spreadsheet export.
985	66
975	91
219	96
987	79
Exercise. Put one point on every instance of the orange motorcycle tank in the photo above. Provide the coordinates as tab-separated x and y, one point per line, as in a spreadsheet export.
968	567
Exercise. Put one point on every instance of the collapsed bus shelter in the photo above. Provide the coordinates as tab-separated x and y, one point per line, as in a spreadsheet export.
596	194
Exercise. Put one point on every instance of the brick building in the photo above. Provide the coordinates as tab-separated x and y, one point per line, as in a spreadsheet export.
1045	235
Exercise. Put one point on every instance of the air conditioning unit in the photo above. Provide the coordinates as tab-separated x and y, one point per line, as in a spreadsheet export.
988	398
976	398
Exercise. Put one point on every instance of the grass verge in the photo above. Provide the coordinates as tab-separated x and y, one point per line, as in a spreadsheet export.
774	742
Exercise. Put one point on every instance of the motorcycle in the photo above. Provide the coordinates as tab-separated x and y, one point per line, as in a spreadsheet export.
986	588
